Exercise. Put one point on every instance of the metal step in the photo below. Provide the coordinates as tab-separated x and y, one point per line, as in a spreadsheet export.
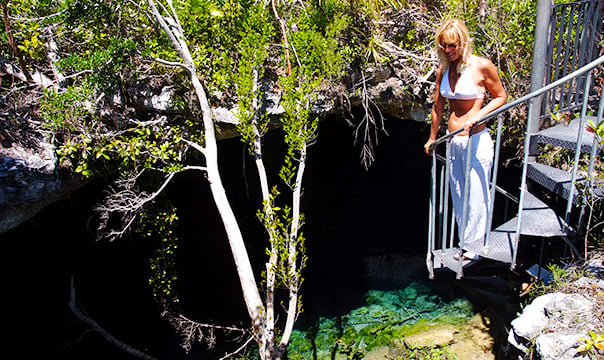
558	181
555	180
444	259
538	220
565	135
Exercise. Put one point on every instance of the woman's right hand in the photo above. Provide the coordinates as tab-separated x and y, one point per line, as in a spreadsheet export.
427	149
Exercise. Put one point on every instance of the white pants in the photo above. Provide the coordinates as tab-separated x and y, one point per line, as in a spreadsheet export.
480	175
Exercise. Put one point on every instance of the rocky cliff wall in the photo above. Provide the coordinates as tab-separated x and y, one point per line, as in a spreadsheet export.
31	178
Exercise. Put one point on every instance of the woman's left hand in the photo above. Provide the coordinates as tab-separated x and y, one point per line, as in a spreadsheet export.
470	123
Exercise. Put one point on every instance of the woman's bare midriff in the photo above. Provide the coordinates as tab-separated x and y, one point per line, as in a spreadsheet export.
461	110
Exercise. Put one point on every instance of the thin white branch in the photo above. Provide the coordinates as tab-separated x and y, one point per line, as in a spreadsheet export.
175	16
238	350
196	146
128	203
164	25
169	63
199	168
20	18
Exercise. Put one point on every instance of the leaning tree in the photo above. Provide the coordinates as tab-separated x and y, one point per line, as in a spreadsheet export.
195	47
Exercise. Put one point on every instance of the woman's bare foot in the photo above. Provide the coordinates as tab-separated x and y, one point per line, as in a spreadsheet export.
468	255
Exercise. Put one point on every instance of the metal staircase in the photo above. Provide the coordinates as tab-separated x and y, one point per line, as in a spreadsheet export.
572	93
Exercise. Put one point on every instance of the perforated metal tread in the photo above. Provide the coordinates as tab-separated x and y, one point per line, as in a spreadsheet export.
565	135
500	248
555	180
539	219
558	181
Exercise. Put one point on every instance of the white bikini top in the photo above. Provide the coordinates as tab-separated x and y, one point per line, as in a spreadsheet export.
465	89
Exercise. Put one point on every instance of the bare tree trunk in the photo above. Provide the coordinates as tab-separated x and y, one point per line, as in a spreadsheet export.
251	294
238	249
53	55
294	280
267	342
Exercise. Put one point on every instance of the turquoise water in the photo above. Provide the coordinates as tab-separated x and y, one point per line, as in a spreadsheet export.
383	320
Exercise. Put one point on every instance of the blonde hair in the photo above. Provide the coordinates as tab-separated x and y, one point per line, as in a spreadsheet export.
454	31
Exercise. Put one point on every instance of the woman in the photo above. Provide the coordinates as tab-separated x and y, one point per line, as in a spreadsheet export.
463	79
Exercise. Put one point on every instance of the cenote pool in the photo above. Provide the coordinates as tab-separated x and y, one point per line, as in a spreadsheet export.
366	293
398	315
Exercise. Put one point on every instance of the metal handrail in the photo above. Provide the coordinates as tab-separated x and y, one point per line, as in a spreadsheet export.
525	98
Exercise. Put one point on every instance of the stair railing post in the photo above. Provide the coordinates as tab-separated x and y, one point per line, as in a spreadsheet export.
432	217
571	193
538	67
445	194
592	155
487	247
542	27
527	141
441	211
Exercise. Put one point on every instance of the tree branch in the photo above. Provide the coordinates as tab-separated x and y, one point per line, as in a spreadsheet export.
196	146
126	202
192	331
238	350
80	315
169	63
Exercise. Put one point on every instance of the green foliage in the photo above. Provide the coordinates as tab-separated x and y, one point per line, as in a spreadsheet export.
429	353
214	30
318	50
89	11
594	344
157	224
256	35
597	129
85	140
69	114
28	20
105	66
562	277
68	109
326	11
88	26
277	222
374	8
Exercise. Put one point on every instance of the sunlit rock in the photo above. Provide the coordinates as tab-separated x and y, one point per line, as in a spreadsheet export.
439	335
554	322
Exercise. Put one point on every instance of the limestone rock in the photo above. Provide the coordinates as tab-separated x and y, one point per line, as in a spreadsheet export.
554	346
555	322
478	328
466	349
437	336
380	353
